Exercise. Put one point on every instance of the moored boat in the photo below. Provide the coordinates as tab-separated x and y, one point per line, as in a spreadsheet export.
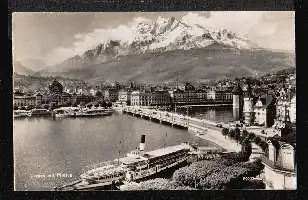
40	113
21	113
63	112
93	112
137	165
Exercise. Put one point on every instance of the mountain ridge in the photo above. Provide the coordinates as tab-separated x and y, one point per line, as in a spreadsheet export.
21	69
189	65
189	50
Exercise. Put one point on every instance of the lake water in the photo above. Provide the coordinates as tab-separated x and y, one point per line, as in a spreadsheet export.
50	152
221	114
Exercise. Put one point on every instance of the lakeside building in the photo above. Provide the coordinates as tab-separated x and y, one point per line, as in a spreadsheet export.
124	97
25	100
111	94
201	95
56	94
223	95
211	94
188	95
161	97
260	111
92	92
155	98
141	98
286	106
292	109
82	98
191	95
264	111
279	166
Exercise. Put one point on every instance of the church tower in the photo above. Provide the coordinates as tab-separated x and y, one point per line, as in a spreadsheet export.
248	109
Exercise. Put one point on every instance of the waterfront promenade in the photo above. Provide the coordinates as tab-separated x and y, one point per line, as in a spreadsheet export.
207	128
217	138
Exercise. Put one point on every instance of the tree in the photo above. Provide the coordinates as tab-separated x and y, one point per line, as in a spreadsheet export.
155	184
263	145
245	133
246	150
237	136
251	136
225	131
257	139
102	103
232	133
237	133
230	158
254	168
98	94
222	178
191	175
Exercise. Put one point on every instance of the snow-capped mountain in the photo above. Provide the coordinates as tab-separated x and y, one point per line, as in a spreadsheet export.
166	34
170	34
161	35
169	46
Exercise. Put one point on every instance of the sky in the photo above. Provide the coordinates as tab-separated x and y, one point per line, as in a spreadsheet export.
49	38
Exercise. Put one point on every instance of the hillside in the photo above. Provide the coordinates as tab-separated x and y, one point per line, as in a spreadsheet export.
195	65
21	69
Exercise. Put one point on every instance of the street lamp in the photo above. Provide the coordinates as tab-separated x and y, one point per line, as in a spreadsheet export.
187	115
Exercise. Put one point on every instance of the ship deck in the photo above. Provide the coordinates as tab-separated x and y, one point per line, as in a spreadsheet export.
167	150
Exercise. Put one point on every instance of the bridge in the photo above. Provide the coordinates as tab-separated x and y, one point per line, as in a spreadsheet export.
170	118
204	103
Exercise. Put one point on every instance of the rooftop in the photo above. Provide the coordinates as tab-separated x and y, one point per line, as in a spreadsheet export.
266	101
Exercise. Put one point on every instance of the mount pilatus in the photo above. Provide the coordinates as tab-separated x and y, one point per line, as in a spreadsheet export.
165	49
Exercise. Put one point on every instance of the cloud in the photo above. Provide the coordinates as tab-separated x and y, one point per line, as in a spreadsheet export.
261	27
86	41
275	30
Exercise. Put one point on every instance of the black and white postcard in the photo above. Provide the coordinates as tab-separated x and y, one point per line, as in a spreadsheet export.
154	100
